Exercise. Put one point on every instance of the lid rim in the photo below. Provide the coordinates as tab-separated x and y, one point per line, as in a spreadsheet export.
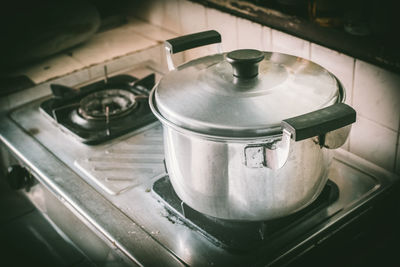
275	132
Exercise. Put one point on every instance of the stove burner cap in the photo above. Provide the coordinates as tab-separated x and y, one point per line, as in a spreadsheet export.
107	104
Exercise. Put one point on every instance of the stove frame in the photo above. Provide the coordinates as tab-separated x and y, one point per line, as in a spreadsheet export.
131	224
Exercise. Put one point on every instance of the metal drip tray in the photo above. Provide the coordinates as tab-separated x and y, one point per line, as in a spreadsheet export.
126	164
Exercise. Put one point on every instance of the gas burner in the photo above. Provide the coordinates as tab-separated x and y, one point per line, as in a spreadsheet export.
107	104
241	236
102	110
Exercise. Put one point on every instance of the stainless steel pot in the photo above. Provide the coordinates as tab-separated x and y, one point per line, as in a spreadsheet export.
247	133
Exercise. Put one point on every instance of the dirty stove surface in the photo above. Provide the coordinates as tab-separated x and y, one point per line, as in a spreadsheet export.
121	179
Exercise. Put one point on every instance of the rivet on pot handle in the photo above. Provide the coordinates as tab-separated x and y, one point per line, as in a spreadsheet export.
329	123
189	41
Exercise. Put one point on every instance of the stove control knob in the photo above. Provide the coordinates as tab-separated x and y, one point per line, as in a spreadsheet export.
18	177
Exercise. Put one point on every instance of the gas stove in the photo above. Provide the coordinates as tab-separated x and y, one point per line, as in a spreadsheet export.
101	110
103	182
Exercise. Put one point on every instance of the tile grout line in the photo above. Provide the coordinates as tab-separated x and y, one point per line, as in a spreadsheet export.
206	17
375	122
271	40
178	3
396	154
237	34
352	81
261	37
352	91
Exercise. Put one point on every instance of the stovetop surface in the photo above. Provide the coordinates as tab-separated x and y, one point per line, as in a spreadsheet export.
130	189
121	174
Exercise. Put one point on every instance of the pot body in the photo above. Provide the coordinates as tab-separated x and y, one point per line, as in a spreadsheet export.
248	134
211	176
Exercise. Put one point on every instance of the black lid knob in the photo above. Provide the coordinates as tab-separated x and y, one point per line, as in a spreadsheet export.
245	62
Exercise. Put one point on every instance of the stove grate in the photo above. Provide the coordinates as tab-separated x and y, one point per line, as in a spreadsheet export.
235	235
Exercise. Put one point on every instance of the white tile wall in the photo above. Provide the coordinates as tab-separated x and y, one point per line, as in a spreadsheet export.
266	38
193	19
152	11
225	24
288	44
199	52
171	20
377	94
342	66
249	34
140	9
374	92
150	31
130	60
55	66
111	44
163	13
373	142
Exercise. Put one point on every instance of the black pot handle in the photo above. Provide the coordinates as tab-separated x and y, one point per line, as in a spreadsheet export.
319	122
194	40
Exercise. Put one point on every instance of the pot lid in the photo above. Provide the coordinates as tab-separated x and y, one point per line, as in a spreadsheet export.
222	94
